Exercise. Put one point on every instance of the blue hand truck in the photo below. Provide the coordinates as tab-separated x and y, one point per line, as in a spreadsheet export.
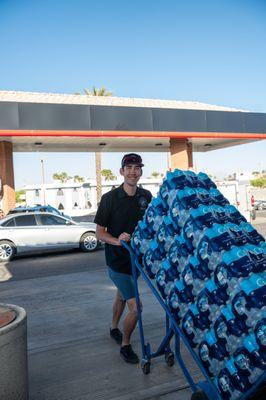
203	390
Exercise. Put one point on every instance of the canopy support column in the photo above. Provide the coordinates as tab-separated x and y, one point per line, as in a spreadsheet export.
181	154
7	176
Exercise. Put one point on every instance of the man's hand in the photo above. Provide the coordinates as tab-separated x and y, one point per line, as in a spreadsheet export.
124	236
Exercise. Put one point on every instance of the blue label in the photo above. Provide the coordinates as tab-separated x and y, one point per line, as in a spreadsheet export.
210	285
250	343
231	367
210	338
228	314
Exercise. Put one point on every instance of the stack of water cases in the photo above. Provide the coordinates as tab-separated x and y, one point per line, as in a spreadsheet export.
209	265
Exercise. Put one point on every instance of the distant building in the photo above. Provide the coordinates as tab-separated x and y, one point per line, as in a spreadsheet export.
78	198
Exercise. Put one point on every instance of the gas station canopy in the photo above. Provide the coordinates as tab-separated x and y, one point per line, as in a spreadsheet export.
60	122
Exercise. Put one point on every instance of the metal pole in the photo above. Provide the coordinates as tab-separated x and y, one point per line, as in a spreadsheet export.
43	188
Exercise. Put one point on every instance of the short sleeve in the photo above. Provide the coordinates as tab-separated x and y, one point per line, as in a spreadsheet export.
104	211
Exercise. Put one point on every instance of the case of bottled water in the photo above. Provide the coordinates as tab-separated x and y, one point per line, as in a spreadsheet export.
209	265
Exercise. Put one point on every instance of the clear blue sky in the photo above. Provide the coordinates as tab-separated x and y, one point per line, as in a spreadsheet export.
210	51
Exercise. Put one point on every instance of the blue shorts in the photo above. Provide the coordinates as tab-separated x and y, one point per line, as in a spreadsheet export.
124	284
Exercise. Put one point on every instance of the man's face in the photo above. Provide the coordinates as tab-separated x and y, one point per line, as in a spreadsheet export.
131	174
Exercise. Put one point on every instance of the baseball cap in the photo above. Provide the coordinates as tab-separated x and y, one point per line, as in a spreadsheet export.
132	158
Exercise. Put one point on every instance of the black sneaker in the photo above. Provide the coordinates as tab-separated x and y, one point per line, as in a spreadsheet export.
116	334
128	354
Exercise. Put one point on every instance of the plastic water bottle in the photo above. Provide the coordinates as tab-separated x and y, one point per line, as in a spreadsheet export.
246	310
152	259
239	380
234	215
176	180
205	181
177	212
183	293
204	355
166	233
220	329
174	253
174	305
239	237
217	295
204	197
226	386
244	367
260	334
218	197
254	352
238	262
192	234
141	238
257	254
202	217
189	328
216	350
253	236
219	214
165	277
154	213
161	282
192	178
188	198
254	289
201	314
236	328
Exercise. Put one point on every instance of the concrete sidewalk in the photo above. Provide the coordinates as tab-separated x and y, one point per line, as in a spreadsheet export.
71	356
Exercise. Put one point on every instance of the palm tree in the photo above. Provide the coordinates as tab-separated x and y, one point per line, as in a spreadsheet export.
108	175
78	179
98	157
155	174
61	176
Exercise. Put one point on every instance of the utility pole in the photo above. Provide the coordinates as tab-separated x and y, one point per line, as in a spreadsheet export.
43	188
98	167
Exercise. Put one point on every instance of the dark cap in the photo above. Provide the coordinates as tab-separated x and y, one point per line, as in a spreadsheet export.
131	158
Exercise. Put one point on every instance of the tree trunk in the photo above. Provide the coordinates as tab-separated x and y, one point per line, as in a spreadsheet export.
98	167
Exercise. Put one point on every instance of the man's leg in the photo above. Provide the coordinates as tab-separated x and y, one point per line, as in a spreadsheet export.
130	321
118	308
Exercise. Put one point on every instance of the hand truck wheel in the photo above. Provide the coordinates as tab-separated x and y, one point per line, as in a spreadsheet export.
170	359
146	367
199	395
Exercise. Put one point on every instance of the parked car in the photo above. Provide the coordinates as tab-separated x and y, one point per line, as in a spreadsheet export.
37	208
260	205
38	231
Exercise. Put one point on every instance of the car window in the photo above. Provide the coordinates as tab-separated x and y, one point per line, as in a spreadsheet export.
51	220
25	220
10	222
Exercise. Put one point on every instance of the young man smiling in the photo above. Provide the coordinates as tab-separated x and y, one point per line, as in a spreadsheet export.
117	216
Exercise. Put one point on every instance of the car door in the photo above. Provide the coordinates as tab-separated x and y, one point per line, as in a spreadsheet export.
58	232
24	232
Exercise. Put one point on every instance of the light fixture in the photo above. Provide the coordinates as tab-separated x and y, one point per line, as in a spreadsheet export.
158	144
38	143
208	145
102	144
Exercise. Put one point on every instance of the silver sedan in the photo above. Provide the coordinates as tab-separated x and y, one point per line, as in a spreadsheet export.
38	231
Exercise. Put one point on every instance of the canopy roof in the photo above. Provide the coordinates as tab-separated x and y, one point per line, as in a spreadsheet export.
63	122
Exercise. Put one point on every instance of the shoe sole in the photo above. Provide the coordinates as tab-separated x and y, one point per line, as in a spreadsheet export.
129	361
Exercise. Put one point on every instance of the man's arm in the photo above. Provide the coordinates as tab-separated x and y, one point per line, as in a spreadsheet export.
106	237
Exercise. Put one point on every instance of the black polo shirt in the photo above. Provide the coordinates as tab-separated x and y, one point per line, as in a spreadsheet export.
119	212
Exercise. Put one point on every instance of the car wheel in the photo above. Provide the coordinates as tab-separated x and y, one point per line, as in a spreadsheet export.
7	251
88	242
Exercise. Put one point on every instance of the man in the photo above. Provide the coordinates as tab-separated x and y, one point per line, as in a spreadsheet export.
117	216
